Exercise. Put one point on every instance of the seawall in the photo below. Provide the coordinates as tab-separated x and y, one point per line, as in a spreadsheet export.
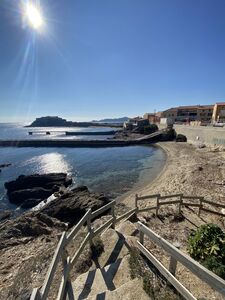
69	143
208	135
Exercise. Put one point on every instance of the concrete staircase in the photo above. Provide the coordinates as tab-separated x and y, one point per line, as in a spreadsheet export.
109	277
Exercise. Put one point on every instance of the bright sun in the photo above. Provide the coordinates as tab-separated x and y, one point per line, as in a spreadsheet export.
33	16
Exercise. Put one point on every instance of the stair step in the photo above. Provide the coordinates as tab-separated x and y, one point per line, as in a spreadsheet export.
131	290
100	280
116	246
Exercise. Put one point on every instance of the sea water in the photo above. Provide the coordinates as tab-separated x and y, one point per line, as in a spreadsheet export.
113	171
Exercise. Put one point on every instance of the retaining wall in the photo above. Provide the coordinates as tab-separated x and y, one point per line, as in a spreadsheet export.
199	134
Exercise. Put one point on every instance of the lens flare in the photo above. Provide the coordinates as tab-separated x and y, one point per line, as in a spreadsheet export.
34	16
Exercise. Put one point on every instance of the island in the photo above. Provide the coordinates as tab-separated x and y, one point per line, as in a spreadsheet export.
55	121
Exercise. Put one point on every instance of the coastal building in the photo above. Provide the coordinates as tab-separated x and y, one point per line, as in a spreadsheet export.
219	112
153	118
200	113
137	122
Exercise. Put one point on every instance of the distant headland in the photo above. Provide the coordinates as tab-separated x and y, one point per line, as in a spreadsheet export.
55	121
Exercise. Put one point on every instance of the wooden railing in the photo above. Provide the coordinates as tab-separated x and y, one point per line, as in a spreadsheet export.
61	254
176	255
181	200
68	262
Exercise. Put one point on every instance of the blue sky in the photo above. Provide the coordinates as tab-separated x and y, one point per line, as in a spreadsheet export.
107	58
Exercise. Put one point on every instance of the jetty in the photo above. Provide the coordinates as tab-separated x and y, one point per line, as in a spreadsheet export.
151	138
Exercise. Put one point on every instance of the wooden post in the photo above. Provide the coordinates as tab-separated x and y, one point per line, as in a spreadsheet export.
141	237
173	265
200	207
113	215
136	202
90	229
173	262
181	200
157	206
70	293
35	294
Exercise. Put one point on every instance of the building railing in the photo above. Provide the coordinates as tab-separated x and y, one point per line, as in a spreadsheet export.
68	262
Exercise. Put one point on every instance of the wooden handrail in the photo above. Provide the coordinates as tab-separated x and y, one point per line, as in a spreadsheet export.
52	268
99	211
66	238
204	274
78	226
172	279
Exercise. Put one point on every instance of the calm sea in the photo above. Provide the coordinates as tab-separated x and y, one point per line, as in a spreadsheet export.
113	171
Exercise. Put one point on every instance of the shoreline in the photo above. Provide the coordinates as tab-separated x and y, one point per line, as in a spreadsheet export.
189	170
141	183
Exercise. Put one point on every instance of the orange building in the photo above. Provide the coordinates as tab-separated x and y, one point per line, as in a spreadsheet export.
219	112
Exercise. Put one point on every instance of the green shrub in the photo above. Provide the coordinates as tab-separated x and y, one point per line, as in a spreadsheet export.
207	245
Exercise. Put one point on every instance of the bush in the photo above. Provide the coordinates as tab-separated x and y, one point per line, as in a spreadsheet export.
207	245
148	129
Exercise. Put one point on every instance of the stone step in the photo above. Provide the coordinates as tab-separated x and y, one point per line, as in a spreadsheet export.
131	290
100	280
117	243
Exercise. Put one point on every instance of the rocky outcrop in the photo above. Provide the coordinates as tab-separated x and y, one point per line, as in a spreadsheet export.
29	190
5	165
26	227
73	204
181	138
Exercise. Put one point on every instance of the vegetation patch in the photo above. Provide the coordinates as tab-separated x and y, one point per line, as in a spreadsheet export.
207	245
153	285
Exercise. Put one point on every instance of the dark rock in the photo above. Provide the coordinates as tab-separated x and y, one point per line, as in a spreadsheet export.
71	206
26	227
37	180
5	165
32	189
29	203
168	135
181	138
6	214
18	197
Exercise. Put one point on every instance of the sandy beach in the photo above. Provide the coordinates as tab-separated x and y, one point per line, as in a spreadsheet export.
192	171
189	170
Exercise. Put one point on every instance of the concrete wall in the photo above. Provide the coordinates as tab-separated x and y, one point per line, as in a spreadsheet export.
200	134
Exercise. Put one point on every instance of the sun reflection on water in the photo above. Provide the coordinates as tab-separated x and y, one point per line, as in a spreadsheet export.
51	162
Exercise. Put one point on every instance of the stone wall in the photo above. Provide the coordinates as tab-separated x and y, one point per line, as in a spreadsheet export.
199	134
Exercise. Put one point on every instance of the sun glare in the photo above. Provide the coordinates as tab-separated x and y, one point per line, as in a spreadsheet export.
34	16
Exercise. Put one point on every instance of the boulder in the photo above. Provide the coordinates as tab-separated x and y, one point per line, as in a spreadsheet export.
18	197
30	190
71	206
37	180
181	138
168	135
